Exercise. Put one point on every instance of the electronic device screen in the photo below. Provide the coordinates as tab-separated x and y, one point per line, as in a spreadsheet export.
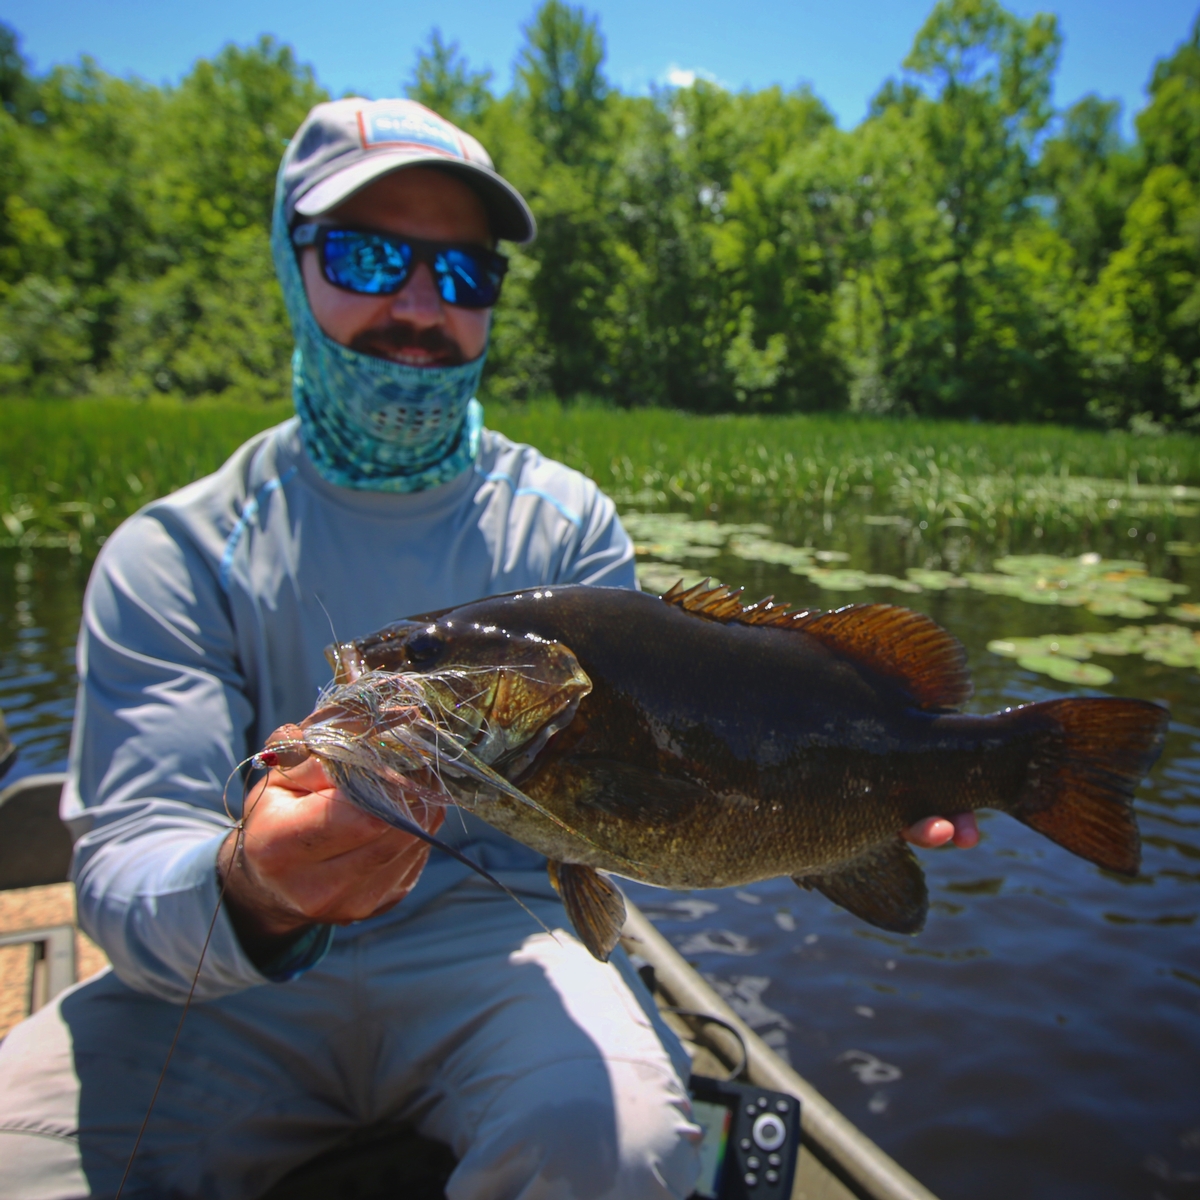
751	1139
715	1120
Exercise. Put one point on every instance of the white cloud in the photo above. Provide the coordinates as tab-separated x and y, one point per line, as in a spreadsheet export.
685	77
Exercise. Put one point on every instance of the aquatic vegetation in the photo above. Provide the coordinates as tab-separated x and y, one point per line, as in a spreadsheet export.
1183	549
662	576
1107	587
849	580
71	471
1064	656
935	581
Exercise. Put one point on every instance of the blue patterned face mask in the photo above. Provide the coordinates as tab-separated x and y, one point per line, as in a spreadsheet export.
368	422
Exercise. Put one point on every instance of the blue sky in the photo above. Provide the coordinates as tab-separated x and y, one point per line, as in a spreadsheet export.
844	50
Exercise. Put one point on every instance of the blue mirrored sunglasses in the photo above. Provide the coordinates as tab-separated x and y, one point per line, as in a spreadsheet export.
370	263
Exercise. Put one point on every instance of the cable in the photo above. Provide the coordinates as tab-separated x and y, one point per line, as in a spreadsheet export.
726	1025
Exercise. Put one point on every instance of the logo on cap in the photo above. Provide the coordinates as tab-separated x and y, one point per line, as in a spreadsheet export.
409	125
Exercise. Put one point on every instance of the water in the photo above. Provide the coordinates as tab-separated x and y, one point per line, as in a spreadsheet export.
1041	1037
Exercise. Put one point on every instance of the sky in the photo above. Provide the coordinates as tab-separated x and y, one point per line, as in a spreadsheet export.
844	49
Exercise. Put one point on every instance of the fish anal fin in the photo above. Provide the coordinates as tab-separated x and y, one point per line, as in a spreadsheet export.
595	906
906	647
884	886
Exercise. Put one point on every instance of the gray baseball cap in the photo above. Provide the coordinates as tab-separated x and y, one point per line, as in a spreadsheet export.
344	145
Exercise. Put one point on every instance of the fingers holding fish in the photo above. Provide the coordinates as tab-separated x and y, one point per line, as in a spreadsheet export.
308	855
962	830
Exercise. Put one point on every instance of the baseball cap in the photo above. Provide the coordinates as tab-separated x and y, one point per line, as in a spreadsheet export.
344	145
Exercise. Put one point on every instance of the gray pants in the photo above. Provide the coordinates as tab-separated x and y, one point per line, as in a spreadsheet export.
545	1071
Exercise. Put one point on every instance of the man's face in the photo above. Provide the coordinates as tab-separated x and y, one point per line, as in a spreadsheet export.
415	326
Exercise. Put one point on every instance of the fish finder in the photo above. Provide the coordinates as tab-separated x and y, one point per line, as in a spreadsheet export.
751	1139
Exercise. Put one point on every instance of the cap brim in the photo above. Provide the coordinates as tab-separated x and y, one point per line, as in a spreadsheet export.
510	216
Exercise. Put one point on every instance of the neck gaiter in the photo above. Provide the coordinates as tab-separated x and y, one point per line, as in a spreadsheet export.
366	422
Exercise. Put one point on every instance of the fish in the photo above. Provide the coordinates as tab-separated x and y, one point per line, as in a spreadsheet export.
717	743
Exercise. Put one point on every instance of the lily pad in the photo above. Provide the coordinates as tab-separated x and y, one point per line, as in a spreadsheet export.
660	577
1016	647
1066	645
891	581
759	549
1067	670
1114	643
835	581
1183	549
1114	587
935	581
1185	612
1171	645
1120	606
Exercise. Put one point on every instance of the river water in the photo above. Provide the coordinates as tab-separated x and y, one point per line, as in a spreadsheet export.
1041	1037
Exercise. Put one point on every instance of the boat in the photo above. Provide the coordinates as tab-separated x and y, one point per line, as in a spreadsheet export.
8	752
836	1160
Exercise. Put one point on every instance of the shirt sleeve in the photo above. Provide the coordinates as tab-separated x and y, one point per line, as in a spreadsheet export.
161	725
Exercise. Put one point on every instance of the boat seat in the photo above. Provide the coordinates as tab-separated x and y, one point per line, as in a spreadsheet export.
35	847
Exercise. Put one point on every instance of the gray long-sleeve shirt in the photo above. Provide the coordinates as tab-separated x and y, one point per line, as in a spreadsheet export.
204	626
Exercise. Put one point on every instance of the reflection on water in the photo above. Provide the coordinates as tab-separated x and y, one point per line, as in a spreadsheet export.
40	600
1041	1037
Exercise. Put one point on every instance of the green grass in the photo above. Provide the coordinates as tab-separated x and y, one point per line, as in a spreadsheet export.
70	472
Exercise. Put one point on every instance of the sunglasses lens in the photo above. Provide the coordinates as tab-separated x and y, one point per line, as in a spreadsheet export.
365	262
467	278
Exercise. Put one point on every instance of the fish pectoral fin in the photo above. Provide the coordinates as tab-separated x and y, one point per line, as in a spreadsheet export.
594	904
633	793
884	886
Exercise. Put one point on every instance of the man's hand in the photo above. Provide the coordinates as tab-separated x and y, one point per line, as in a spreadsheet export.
962	828
309	856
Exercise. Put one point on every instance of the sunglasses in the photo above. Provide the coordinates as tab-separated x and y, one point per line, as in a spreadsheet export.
370	263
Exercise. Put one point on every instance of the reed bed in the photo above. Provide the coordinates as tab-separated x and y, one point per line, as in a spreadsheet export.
71	471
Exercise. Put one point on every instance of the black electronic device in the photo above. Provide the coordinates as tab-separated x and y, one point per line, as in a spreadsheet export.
751	1139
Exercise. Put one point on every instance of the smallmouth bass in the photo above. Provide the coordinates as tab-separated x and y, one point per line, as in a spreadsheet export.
717	744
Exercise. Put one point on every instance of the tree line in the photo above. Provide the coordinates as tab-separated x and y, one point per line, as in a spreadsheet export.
964	251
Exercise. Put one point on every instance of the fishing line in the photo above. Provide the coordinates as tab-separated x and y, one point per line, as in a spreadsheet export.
187	1004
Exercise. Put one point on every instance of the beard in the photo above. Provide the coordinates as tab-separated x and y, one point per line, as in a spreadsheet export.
392	341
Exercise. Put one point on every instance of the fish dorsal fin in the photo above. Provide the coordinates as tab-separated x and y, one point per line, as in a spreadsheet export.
724	604
904	646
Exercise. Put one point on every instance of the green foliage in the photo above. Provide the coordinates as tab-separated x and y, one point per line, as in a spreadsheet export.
71	472
964	252
442	81
1170	126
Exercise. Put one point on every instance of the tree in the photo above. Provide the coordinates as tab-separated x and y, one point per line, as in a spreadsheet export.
1092	177
18	90
559	74
1142	322
443	81
1169	126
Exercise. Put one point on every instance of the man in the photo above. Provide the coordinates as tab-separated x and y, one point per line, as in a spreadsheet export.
548	1073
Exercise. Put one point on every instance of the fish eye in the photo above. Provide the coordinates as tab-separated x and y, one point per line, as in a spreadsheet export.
424	647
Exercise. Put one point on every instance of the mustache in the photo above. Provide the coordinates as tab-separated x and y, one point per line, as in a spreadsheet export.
387	340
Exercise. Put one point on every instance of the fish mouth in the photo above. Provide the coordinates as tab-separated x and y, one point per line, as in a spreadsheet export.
502	697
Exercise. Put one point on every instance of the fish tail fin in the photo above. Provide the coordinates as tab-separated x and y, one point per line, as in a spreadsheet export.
1090	754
